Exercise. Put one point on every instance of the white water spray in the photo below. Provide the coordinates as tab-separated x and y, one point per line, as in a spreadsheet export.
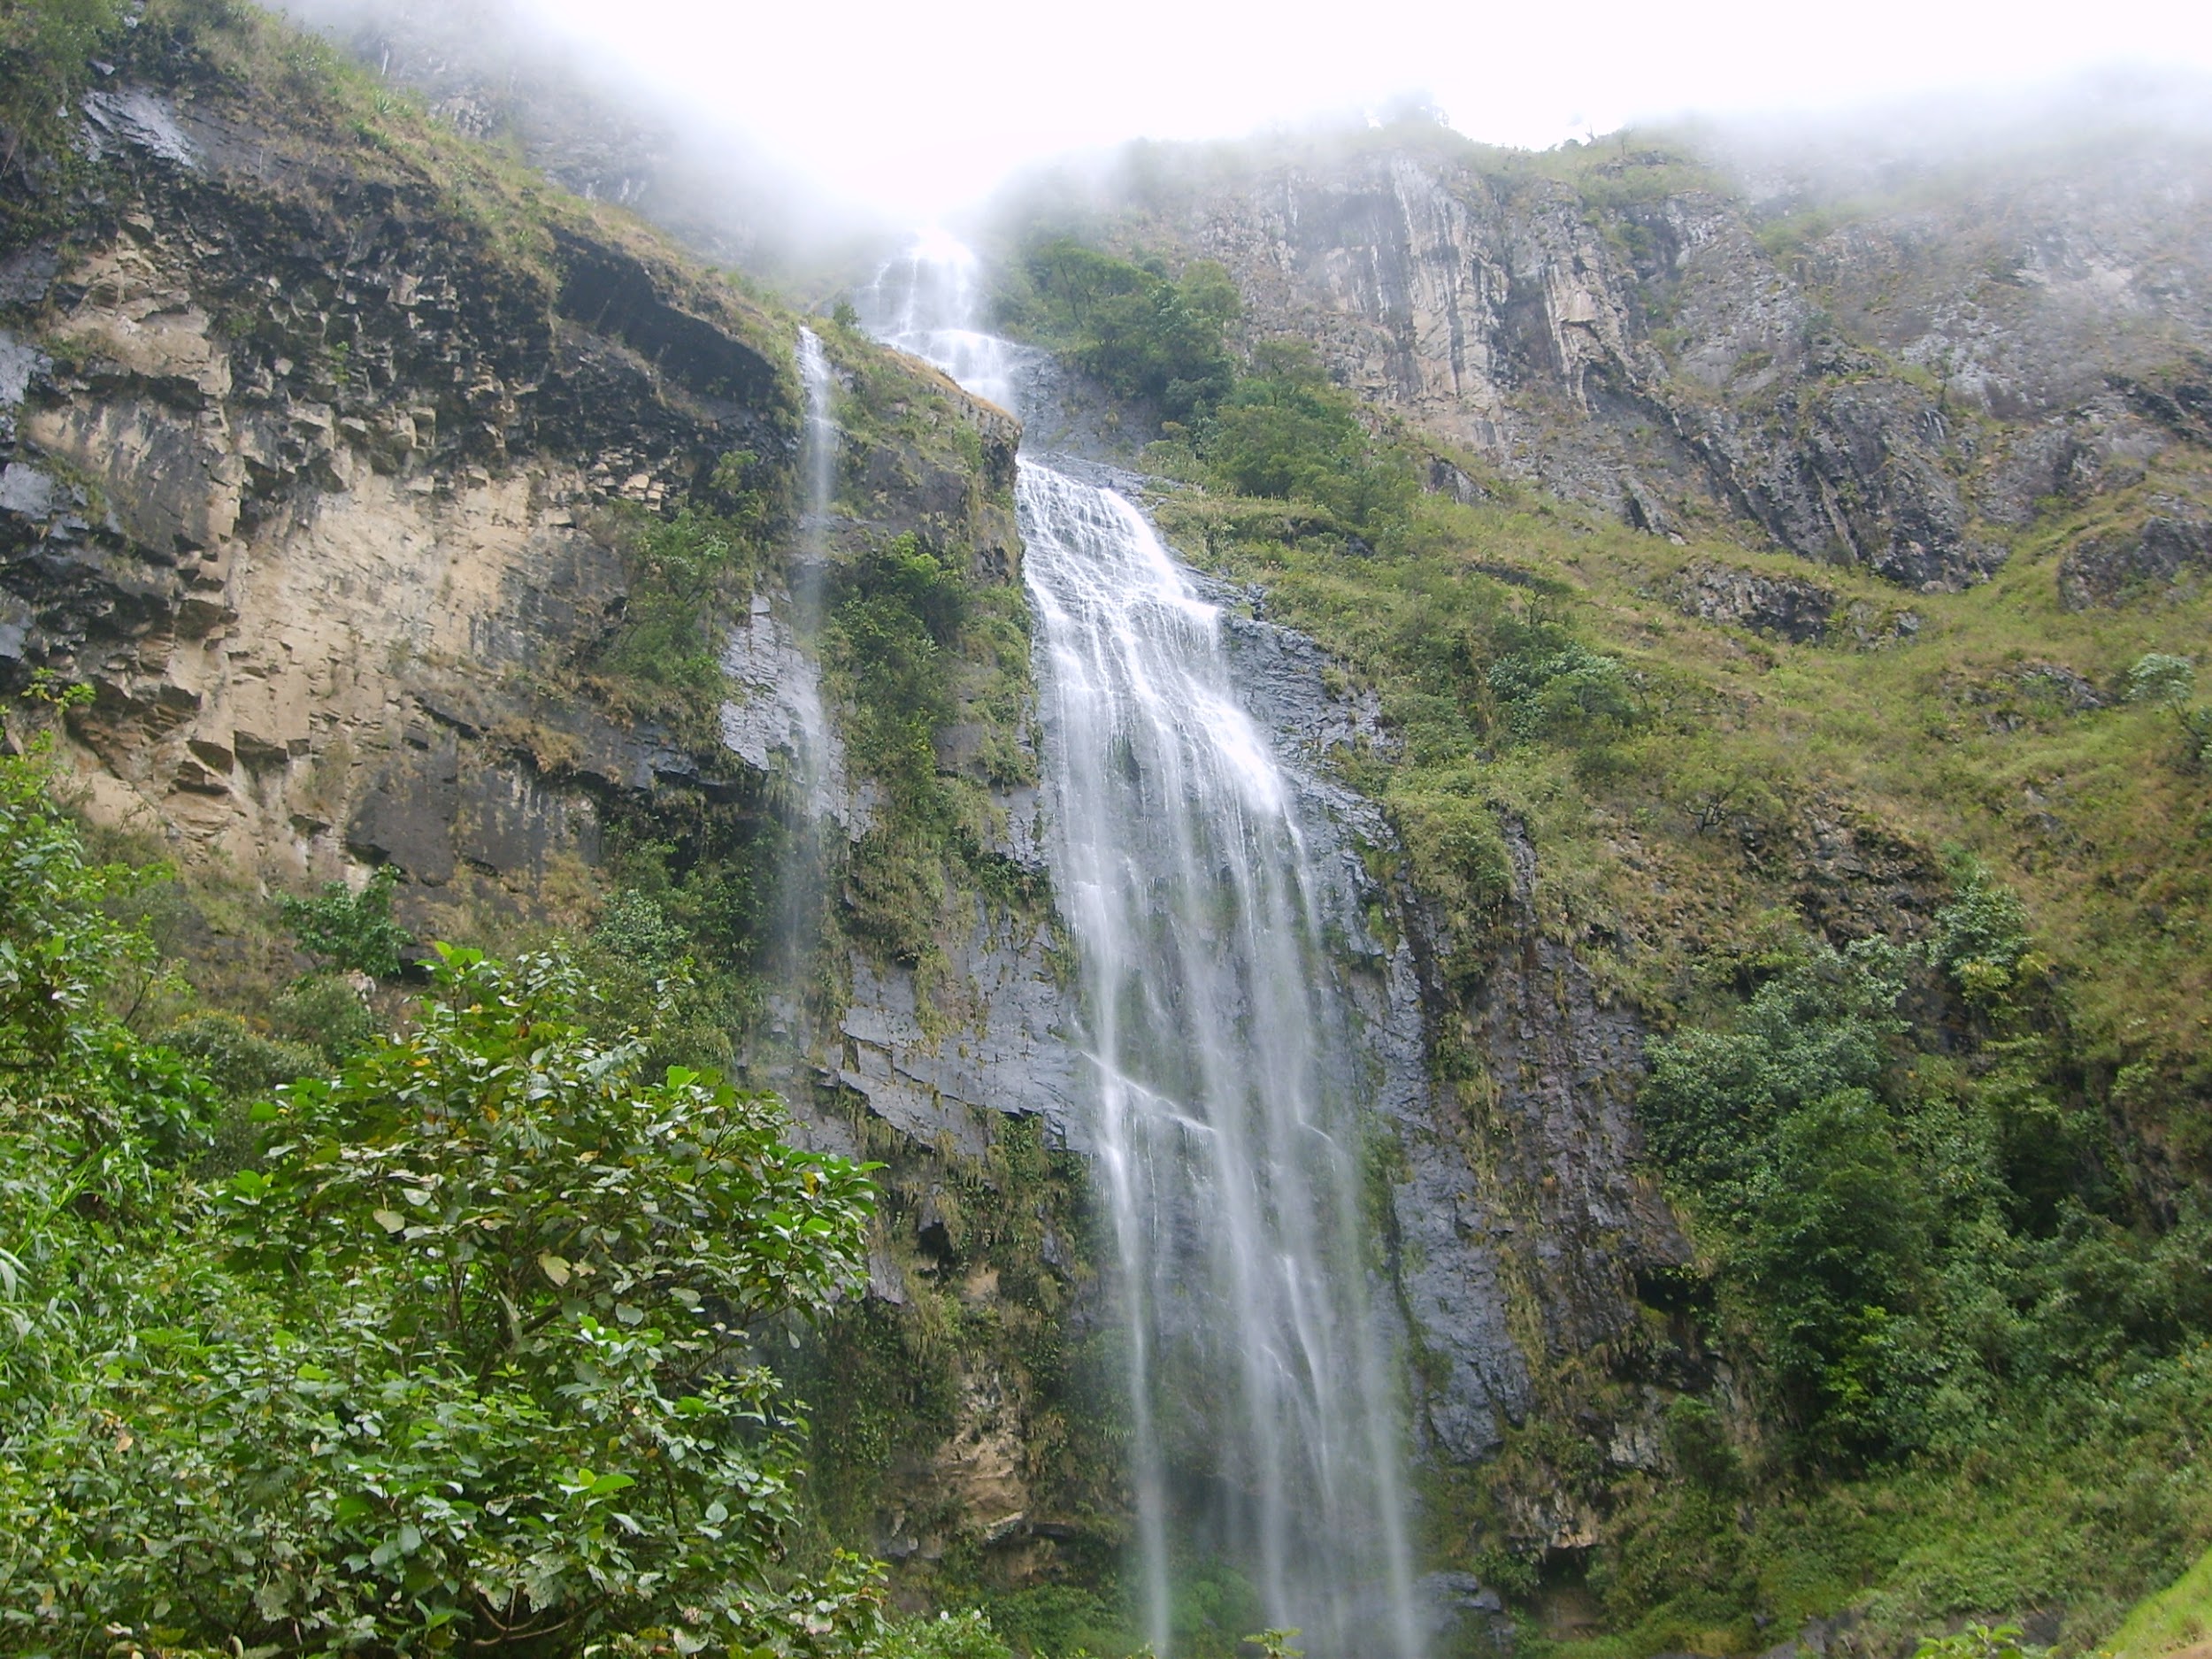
1263	1402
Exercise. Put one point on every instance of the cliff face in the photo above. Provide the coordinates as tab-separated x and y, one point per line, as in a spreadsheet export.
325	472
1891	382
315	483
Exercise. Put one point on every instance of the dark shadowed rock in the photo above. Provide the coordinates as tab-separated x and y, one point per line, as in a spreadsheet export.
2166	556
1789	606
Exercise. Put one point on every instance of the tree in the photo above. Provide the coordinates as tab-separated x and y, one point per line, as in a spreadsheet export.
466	1360
352	932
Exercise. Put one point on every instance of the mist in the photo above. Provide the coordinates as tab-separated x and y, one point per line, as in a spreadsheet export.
788	139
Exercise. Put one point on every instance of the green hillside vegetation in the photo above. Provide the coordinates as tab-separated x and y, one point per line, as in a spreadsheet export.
1943	1154
2177	1617
335	1324
344	1319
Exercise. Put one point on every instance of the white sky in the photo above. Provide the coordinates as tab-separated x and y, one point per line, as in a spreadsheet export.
917	107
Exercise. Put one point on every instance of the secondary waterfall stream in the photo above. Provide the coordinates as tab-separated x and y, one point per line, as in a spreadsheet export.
798	875
1262	1398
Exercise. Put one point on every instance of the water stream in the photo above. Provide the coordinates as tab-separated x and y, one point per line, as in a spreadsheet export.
1264	1401
807	783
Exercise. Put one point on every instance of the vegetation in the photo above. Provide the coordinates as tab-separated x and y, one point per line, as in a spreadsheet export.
321	1338
352	932
46	52
463	1349
2179	1615
1143	334
1913	1146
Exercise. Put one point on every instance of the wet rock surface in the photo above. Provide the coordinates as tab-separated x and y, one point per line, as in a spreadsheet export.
1520	1205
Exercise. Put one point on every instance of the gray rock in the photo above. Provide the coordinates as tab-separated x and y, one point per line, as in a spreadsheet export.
1012	1053
29	493
19	364
774	719
1789	606
2158	560
141	119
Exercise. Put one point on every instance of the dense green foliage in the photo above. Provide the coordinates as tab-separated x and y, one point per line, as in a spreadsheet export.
662	660
352	932
1142	333
906	624
461	1354
1286	433
895	624
1904	1241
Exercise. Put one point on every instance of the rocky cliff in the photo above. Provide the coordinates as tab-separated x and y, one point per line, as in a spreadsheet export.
1892	379
337	451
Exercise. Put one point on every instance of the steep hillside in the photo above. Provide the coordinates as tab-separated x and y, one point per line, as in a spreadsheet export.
405	515
1891	381
1780	612
1743	638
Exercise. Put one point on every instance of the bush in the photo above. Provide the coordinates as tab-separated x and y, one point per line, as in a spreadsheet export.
1288	432
463	1359
1908	1221
350	931
2160	677
894	623
237	1059
1458	853
1141	332
325	1011
664	658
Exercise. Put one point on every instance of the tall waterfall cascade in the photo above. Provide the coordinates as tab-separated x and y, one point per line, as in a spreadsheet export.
1263	1397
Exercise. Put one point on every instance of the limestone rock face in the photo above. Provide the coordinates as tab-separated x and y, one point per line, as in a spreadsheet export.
313	487
1891	389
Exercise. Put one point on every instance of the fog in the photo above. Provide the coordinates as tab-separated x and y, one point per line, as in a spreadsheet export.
781	130
915	109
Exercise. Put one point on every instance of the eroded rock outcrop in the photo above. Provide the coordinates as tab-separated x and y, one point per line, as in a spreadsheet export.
311	481
1890	388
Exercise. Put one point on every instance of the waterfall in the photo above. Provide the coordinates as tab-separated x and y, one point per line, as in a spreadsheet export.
1262	1398
799	868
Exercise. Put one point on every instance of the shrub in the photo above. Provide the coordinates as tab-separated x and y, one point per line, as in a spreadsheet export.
2161	677
1288	432
462	1359
1142	334
663	657
350	931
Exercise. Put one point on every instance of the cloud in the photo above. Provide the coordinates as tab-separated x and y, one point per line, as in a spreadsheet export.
913	109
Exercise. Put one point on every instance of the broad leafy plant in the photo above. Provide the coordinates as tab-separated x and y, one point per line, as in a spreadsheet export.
467	1358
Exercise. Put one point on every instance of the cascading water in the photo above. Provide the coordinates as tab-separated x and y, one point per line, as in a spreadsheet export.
798	896
1261	1398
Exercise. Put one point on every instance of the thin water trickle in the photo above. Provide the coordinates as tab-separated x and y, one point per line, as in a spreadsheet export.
1264	1401
798	881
